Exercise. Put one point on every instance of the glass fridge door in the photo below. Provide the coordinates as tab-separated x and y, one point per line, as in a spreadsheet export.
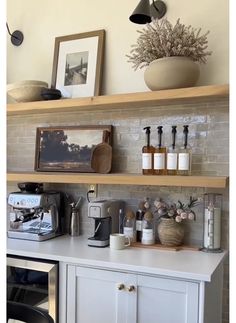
33	282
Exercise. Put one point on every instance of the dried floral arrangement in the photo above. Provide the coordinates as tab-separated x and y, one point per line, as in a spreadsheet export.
144	205
161	39
179	211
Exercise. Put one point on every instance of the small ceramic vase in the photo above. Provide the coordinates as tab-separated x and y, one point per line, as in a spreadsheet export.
170	232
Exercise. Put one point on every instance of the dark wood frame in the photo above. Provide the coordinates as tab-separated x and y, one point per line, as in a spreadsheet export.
100	55
106	137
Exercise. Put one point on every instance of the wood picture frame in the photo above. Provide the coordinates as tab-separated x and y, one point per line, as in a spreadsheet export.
70	148
78	64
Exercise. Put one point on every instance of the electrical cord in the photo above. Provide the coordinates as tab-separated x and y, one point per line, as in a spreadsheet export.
8	30
89	192
153	3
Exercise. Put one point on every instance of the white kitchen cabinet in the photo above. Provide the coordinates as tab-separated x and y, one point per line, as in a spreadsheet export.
103	296
93	296
162	300
183	286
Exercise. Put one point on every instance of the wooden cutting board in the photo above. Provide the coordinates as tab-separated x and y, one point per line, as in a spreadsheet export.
160	246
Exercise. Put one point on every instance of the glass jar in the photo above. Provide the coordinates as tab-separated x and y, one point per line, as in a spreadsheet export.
212	222
129	226
148	229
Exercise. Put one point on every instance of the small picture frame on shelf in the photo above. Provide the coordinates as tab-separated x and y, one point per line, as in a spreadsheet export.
77	64
73	149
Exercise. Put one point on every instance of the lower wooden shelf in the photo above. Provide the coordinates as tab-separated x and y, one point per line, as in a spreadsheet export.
118	179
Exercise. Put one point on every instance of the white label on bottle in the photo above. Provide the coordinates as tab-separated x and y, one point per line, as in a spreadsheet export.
159	161
183	161
147	236
172	161
138	225
146	160
129	232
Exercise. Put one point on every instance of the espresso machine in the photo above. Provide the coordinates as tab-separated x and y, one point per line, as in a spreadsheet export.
106	220
34	214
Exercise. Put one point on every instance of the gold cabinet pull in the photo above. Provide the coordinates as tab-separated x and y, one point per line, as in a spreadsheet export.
120	286
131	288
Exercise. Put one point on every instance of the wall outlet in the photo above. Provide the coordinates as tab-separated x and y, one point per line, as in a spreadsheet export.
94	188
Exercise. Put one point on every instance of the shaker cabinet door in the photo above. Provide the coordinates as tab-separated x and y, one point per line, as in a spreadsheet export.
161	300
96	296
103	296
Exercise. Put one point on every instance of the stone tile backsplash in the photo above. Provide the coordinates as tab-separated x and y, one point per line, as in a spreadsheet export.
208	136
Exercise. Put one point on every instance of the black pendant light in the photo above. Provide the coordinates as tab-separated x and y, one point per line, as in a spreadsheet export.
144	12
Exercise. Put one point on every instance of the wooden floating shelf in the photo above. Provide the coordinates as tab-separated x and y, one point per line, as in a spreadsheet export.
127	100
118	179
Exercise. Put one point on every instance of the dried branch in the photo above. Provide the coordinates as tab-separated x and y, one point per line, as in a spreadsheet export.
162	39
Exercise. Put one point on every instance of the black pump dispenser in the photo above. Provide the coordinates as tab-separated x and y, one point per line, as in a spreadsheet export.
148	132
174	131
160	132
185	131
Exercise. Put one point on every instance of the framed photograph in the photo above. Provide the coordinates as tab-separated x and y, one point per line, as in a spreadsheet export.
77	64
71	148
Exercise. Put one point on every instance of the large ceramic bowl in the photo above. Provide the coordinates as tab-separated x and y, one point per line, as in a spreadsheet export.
26	91
171	73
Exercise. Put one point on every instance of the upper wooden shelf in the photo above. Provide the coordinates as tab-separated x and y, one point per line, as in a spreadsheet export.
121	179
139	99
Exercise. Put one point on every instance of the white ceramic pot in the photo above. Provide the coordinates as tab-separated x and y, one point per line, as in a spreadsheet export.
171	73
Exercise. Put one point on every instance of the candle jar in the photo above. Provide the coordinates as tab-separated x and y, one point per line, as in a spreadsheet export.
212	222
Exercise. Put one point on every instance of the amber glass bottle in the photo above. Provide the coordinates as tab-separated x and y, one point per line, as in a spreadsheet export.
148	236
129	226
184	157
147	154
172	155
159	166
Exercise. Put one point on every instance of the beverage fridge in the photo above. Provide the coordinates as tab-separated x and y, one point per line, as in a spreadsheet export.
34	282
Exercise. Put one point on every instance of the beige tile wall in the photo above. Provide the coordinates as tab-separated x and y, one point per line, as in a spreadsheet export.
208	137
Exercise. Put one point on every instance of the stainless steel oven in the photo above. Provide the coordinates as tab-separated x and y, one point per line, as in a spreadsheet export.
33	281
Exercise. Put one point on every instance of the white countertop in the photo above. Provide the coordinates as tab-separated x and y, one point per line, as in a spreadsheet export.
185	264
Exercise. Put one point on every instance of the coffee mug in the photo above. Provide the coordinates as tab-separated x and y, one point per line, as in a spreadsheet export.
118	241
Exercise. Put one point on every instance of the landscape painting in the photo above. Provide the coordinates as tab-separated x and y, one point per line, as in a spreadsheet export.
68	148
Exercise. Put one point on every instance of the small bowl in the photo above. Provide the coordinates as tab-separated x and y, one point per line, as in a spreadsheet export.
50	94
26	91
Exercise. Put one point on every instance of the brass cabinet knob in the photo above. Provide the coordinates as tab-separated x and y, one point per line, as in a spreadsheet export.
131	288
120	286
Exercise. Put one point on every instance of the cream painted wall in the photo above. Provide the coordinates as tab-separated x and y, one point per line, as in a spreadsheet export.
42	21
